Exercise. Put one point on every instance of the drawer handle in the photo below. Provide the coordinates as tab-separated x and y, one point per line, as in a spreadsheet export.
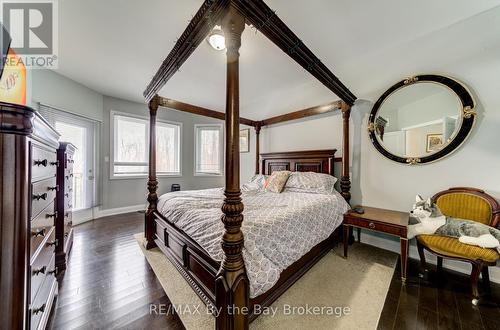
66	234
56	163
51	215
53	272
371	225
40	196
53	243
70	206
39	310
56	188
66	214
39	271
71	175
67	176
39	162
41	232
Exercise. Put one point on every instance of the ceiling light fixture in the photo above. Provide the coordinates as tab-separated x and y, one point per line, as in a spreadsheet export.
216	38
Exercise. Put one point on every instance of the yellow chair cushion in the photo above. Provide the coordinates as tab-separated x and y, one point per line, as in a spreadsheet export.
449	246
465	206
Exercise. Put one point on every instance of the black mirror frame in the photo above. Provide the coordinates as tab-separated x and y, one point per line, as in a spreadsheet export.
468	118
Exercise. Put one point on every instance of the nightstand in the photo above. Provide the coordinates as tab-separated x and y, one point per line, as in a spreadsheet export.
383	221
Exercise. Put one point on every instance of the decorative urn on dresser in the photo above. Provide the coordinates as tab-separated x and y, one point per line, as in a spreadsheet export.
64	205
28	163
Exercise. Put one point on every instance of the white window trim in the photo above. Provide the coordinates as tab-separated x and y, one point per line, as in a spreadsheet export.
222	148
112	175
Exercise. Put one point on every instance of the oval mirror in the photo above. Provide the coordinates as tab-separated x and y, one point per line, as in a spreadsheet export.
421	119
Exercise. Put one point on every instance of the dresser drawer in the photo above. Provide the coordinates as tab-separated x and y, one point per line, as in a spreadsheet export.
40	273
68	217
68	203
43	162
41	306
69	160
67	229
68	237
374	225
46	248
42	194
41	226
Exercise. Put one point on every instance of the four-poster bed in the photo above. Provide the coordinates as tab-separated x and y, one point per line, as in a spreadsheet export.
226	284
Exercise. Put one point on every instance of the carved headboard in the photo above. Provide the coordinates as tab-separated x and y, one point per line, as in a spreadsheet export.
320	161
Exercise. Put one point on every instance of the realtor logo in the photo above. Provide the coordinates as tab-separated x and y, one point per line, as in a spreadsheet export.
32	25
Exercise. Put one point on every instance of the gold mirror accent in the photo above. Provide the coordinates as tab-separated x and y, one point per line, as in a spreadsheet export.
410	80
412	160
469	112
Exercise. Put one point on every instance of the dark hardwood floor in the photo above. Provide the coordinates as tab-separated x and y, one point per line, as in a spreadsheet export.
110	285
442	301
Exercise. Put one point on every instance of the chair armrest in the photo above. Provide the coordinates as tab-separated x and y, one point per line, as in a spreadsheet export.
495	221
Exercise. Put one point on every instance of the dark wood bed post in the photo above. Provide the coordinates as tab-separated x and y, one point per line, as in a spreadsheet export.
345	180
149	227
231	283
257	147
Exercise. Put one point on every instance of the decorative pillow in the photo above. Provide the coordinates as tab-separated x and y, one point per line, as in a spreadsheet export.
276	182
311	182
259	179
255	183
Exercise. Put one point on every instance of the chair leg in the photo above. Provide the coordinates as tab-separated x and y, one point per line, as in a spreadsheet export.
477	267
423	264
439	264
486	278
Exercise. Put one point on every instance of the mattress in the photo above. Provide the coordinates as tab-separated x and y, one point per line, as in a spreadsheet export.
278	228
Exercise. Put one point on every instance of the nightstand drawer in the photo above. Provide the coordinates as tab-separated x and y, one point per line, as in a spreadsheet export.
377	226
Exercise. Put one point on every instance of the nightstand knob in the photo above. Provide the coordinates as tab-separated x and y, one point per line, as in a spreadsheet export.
371	225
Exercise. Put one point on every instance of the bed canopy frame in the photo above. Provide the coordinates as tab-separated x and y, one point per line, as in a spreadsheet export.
231	287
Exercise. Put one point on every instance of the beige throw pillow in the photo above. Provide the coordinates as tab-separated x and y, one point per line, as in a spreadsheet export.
276	182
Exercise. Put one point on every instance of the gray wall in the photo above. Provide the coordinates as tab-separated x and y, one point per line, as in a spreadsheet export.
127	192
56	90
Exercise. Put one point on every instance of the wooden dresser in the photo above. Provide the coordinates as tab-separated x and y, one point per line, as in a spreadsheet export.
64	205
28	163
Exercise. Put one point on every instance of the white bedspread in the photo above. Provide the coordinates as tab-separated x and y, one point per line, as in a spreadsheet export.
278	228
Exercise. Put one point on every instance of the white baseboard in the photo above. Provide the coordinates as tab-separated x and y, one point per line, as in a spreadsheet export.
394	246
120	210
82	216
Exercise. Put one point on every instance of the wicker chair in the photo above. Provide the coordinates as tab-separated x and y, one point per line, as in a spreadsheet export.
471	204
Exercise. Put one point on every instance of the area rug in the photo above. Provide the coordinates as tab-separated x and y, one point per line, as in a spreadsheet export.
336	293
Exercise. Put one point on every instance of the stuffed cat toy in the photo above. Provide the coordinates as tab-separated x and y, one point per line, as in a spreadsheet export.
426	218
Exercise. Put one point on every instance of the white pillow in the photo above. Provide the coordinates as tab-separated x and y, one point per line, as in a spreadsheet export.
311	182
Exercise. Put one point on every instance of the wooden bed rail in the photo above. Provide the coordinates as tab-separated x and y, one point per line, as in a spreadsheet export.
197	110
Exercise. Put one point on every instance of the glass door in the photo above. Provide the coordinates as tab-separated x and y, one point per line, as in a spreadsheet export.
81	134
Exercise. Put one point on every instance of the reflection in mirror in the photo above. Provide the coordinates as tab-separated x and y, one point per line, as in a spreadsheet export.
418	120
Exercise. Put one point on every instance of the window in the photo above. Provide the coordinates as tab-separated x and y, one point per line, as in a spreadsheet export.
131	145
208	150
